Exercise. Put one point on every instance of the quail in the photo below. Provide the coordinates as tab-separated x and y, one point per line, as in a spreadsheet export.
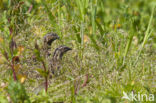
55	62
48	39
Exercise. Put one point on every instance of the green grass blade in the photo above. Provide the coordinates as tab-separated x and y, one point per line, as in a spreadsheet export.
147	35
51	17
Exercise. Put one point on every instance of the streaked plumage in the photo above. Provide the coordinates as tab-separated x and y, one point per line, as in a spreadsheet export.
48	39
55	62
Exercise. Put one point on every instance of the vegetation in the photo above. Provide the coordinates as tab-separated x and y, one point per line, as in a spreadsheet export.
113	50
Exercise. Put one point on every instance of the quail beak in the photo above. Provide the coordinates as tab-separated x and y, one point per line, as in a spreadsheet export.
67	49
57	37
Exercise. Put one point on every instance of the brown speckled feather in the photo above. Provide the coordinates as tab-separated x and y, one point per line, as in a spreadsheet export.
48	40
55	62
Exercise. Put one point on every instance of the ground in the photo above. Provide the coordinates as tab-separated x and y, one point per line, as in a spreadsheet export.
113	51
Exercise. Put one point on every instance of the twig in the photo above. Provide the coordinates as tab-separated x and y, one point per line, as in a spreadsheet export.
13	70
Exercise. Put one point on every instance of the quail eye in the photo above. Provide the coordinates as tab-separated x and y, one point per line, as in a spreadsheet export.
50	41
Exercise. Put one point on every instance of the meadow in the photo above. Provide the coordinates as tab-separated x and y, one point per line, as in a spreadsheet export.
113	56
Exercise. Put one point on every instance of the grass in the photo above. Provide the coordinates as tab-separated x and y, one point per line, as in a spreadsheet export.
113	50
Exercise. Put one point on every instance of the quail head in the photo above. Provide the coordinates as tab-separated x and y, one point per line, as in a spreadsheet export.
48	39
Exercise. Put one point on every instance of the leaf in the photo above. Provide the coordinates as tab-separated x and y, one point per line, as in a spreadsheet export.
20	49
5	54
72	88
2	59
22	78
1	4
51	17
42	72
38	1
117	26
86	38
95	45
17	67
17	92
15	52
38	56
102	31
1	40
77	34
